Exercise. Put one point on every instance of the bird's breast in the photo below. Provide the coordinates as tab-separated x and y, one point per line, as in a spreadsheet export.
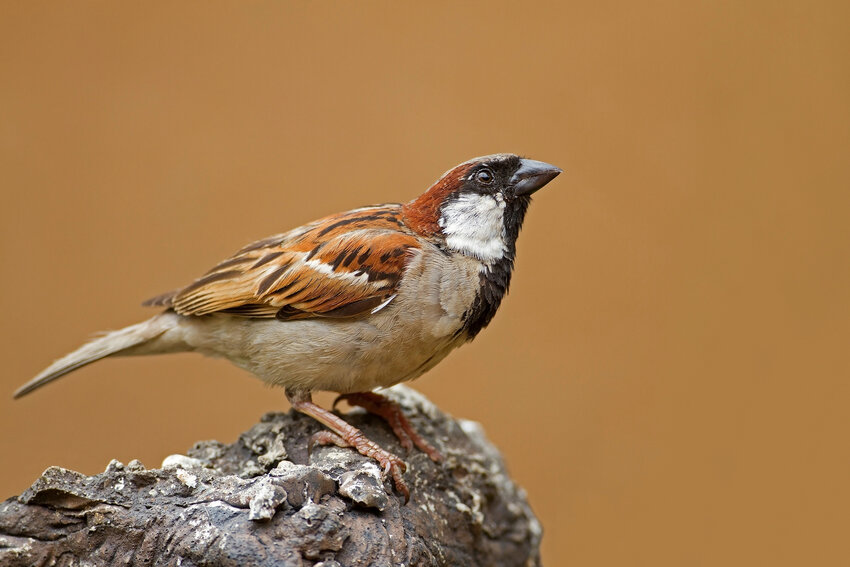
411	334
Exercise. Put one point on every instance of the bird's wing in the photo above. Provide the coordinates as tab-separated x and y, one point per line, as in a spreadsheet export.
340	266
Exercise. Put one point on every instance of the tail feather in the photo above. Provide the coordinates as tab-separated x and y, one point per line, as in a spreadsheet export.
117	342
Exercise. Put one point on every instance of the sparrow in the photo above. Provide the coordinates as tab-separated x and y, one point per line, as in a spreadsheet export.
352	302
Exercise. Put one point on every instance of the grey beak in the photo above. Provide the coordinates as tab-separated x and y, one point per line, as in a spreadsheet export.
532	175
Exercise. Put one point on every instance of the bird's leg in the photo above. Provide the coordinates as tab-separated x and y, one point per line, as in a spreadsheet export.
344	434
391	412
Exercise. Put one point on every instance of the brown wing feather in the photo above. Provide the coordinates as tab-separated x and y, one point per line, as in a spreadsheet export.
340	266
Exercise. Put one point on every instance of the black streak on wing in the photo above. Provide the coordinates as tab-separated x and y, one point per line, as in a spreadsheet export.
266	259
230	263
315	250
354	308
284	288
391	216
270	280
350	258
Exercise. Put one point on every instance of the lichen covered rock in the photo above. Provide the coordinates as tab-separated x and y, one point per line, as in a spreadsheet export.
265	500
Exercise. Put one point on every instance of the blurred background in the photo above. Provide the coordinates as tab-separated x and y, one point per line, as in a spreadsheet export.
668	377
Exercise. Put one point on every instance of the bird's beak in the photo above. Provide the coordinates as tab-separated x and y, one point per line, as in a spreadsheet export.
532	175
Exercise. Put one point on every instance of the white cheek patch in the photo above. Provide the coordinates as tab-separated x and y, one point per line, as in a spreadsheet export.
474	225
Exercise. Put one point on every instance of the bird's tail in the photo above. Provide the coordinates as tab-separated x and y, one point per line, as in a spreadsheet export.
135	339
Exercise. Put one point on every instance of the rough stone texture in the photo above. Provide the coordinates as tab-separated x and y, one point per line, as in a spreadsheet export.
265	501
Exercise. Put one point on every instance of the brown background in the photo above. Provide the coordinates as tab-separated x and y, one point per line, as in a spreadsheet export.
668	377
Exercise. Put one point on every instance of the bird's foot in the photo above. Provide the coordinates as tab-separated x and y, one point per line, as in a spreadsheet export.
390	464
391	412
343	434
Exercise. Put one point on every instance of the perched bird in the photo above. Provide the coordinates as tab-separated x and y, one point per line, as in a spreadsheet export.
352	302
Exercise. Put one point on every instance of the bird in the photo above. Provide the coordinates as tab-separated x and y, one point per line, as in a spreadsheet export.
351	303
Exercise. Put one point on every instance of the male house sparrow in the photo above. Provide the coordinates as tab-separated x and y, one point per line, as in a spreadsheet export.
352	302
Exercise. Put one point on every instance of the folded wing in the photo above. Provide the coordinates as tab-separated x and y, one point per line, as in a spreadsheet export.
341	266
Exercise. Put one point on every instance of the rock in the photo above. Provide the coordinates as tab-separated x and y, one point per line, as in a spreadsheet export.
180	462
264	500
364	486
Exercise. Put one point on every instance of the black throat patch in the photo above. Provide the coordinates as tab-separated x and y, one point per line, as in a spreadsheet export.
495	279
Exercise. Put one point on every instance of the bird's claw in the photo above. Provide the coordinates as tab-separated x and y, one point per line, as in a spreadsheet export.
391	465
391	412
394	467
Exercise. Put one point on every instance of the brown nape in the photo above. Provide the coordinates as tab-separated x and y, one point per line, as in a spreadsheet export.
423	213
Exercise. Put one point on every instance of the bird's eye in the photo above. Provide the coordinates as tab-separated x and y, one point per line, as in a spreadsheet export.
485	177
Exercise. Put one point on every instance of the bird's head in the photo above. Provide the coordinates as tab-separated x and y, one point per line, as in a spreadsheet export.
477	207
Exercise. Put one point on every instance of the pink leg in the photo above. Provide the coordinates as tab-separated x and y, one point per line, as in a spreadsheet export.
391	412
346	435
